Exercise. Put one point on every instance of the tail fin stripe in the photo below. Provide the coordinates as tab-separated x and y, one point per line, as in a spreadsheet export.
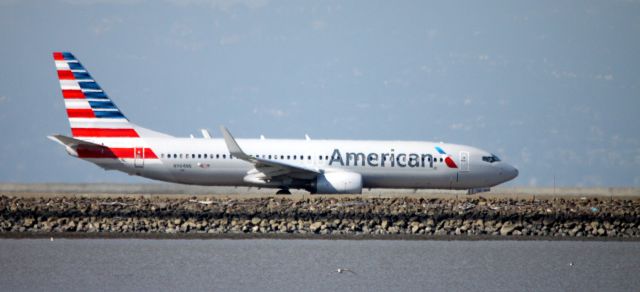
76	104
65	75
95	94
89	85
68	56
81	75
99	124
72	93
108	114
102	104
62	65
69	84
72	75
80	113
103	132
75	66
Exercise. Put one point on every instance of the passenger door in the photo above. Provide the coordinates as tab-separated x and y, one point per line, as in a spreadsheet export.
464	161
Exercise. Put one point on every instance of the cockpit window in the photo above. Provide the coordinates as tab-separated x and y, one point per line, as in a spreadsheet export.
491	159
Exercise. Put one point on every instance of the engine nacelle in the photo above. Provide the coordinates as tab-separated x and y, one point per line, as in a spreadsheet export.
338	183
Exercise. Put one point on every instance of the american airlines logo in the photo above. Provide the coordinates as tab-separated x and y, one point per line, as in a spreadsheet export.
389	159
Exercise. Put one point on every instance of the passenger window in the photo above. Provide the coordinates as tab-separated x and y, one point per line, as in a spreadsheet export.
320	157
309	157
199	156
326	157
224	156
205	156
175	156
440	159
294	157
180	155
281	156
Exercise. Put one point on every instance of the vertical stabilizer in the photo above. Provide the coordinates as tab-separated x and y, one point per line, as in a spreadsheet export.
91	113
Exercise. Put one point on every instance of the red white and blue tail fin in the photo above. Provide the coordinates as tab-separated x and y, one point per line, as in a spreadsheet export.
91	112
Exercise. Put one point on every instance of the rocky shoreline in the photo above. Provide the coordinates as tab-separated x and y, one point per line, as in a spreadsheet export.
320	216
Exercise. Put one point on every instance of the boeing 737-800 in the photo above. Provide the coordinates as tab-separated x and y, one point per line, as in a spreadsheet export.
101	134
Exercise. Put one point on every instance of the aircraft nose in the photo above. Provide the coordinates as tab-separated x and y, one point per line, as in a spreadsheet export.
511	172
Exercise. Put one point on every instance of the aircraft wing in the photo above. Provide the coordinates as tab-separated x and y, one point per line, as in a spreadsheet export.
267	169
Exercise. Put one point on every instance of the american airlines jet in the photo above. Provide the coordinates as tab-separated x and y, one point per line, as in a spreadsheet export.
101	134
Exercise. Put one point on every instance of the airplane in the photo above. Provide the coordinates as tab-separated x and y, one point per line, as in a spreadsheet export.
101	134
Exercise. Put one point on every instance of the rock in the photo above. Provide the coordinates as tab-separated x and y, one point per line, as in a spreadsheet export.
430	222
399	223
507	228
28	222
548	221
315	227
256	220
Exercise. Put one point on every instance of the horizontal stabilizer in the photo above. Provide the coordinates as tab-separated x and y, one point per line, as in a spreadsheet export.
71	142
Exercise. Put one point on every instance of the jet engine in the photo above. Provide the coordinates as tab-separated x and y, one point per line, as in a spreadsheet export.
337	183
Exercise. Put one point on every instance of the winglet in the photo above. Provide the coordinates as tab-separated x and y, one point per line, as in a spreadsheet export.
233	146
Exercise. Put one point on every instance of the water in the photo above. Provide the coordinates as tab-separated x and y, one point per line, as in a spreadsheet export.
309	265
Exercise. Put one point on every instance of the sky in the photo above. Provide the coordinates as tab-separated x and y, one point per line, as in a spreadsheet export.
552	87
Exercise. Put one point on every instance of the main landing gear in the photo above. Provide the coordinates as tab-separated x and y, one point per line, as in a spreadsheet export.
283	192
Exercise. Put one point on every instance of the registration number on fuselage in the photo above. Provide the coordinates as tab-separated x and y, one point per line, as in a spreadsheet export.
185	165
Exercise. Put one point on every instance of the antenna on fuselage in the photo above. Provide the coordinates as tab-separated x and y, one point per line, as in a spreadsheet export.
306	137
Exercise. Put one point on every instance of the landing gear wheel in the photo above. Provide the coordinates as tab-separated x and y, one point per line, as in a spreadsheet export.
283	192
